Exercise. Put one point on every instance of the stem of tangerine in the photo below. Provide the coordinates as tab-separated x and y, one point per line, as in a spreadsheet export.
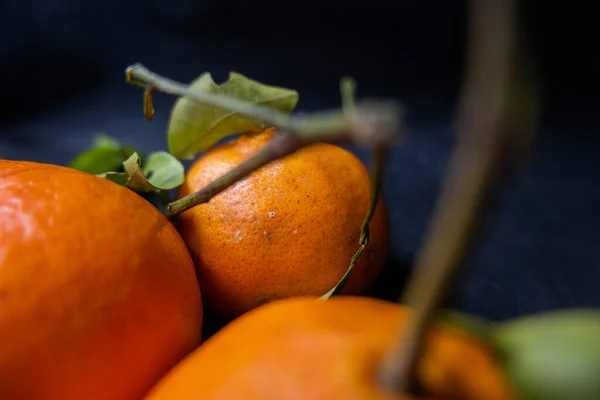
375	120
371	123
279	146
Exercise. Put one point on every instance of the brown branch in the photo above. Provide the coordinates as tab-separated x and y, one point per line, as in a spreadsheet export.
483	134
369	123
279	146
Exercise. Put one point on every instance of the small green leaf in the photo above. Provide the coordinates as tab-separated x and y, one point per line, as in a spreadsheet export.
161	171
552	356
105	154
195	127
120	178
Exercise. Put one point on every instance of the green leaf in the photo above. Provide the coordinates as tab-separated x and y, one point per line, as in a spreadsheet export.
105	154
195	127
552	356
161	171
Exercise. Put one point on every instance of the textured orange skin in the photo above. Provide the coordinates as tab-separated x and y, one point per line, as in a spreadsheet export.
98	294
289	229
302	348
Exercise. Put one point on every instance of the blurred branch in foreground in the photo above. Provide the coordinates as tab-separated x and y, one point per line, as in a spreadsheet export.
495	118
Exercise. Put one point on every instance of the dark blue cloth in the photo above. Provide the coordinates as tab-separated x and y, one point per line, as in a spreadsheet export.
62	77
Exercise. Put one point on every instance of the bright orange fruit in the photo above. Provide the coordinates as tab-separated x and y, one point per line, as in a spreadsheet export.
98	294
302	348
288	229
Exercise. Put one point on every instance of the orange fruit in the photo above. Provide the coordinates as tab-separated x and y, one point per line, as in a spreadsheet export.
302	348
98	294
288	229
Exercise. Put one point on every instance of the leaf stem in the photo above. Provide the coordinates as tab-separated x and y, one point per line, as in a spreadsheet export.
139	75
381	115
371	123
280	145
483	134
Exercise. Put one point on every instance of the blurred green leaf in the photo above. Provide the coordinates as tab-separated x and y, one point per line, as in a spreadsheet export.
105	154
195	127
552	356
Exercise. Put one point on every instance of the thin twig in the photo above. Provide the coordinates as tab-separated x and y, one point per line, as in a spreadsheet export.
380	158
371	123
376	120
472	171
139	75
279	146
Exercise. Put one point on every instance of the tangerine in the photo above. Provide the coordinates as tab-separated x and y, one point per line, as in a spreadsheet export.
288	229
302	348
98	294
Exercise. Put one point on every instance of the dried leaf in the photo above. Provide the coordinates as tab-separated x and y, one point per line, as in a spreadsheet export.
337	289
379	157
160	172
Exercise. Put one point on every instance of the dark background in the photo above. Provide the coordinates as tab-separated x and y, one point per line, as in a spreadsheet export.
62	68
